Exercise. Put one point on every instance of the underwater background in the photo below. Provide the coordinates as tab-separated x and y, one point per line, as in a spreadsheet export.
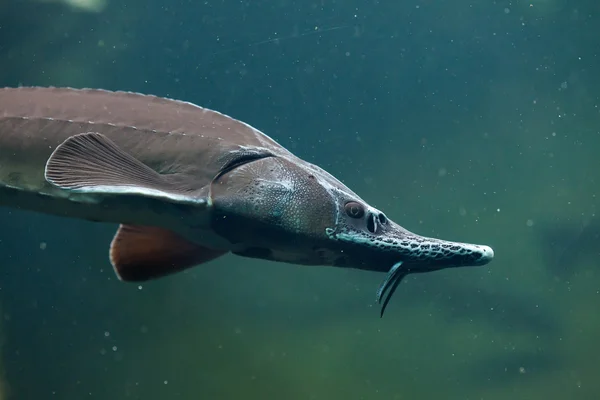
474	121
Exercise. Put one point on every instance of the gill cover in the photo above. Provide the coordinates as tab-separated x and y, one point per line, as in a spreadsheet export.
268	208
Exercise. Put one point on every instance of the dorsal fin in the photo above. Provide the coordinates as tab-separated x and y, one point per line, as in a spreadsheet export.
141	253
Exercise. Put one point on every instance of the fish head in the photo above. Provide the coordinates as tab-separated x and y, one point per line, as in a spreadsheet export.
285	209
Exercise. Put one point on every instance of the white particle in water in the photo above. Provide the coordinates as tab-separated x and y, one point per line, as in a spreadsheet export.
106	334
507	10
529	223
114	348
43	245
166	382
140	287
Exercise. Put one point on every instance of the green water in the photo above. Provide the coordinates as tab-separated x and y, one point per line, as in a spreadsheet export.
469	121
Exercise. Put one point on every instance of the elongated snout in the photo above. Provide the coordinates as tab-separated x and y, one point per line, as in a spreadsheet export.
430	253
390	243
444	254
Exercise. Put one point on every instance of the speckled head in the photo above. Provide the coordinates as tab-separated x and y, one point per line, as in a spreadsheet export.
288	210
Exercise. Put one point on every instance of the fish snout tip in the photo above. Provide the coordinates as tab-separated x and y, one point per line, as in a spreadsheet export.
487	255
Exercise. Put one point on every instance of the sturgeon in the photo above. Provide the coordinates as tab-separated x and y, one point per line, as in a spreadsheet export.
187	185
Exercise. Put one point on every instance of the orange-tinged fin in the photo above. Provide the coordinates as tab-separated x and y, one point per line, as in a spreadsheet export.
140	253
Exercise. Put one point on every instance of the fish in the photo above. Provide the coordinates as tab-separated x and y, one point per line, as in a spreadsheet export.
188	185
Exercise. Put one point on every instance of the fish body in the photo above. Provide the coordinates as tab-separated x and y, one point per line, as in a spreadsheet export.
188	184
173	137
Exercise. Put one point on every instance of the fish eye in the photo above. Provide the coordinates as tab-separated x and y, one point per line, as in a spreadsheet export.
354	209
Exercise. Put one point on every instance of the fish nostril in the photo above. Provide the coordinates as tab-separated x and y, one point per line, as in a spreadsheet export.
382	218
371	223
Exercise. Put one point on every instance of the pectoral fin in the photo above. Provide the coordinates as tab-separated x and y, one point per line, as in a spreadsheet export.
92	163
141	253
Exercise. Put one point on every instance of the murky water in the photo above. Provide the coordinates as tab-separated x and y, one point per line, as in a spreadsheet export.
476	122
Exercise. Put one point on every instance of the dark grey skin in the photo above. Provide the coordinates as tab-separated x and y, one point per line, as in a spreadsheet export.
188	185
